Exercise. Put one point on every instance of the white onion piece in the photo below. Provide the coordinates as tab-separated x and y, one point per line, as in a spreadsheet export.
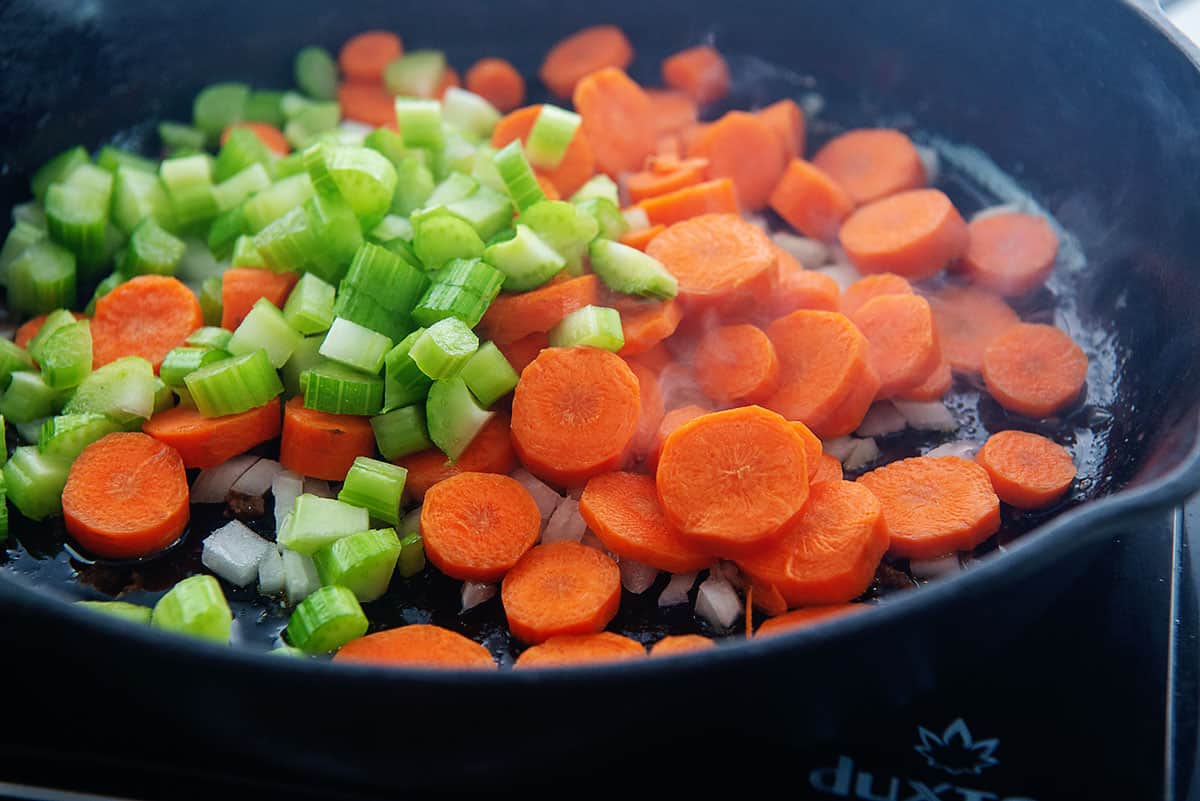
546	498
592	541
927	416
233	552
270	573
677	589
718	603
259	478
575	493
882	419
679	388
992	211
811	253
728	571
757	220
286	487
963	449
565	524
636	576
636	218
935	568
865	451
213	483
932	163
474	593
839	447
300	577
318	487
842	273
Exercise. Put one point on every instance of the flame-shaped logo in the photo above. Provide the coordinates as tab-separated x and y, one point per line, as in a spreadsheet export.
956	752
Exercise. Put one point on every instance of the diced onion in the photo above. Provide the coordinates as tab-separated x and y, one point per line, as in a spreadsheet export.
233	553
214	483
677	589
636	218
259	478
728	571
474	593
757	220
882	419
865	451
811	253
592	541
840	447
636	576
545	497
718	603
270	573
286	487
934	568
962	448
300	576
927	416
565	524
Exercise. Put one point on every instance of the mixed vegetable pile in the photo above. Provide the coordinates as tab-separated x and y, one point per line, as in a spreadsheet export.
550	399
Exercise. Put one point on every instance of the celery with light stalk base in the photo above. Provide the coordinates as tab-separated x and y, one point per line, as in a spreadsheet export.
415	74
195	606
464	288
309	307
355	346
65	436
66	356
180	362
564	227
392	226
278	199
375	486
453	416
365	178
241	149
210	336
595	326
362	563
551	136
238	187
136	196
306	356
27	398
316	522
245	254
404	383
412	555
626	269
34	482
443	348
56	170
235	385
152	250
487	211
606	214
20	236
265	328
526	260
518	176
326	620
469	113
122	389
402	431
119	609
188	181
420	122
77	218
440	236
488	375
414	185
337	389
42	278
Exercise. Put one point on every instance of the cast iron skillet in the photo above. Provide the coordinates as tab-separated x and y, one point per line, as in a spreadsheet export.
1091	105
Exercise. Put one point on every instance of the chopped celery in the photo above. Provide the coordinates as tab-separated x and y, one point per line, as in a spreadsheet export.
401	431
111	158
210	336
136	196
337	233
179	362
366	179
316	522
606	214
197	607
598	186
597	326
198	264
176	136
59	318
526	260
456	186
78	217
326	620
245	254
362	562
291	104
264	105
392	226
306	355
265	328
564	227
355	346
65	436
316	73
152	250
487	211
242	149
225	230
412	555
42	278
30	213
235	385
415	74
66	356
13	359
20	236
57	169
443	348
288	651
334	388
440	237
379	291
464	288
217	106
404	384
469	113
276	200
188	181
629	270
232	191
310	122
27	398
210	300
35	482
518	176
309	307
375	486
550	136
164	396
420	121
453	416
92	178
286	242
414	185
488	374
119	609
27	433
122	389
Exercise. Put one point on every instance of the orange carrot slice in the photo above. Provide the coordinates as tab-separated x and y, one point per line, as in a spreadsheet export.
806	618
672	420
364	57
967	319
673	111
652	183
812	202
728	143
618	120
323	445
1034	370
719	260
904	347
578	163
813	449
641	238
710	197
268	134
914	234
700	72
514	316
803	289
871	287
417	645
828	469
652	408
242	287
369	102
491	451
580	649
560	588
1010	253
872	163
736	363
932	388
1027	471
582	53
146	316
523	351
498	82
681	644
209	441
786	119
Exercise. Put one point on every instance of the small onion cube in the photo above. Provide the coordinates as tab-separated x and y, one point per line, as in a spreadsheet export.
927	416
935	568
842	274
865	451
259	478
636	576
286	487
962	448
882	419
474	593
677	589
545	497
636	218
300	576
729	571
270	573
233	553
718	603
214	483
840	447
592	541
566	524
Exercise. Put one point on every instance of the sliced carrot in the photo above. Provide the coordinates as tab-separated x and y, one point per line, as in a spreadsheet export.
672	420
449	79
1027	471
209	441
742	147
618	120
729	480
583	53
242	287
574	414
145	316
830	553
514	316
641	238
548	187
580	649
804	289
719	260
673	111
736	363
578	163
476	526
30	327
904	346
323	445
700	72
1034	370
364	57
813	449
498	82
766	599
871	287
872	163
560	588
812	202
850	413
1010	253
524	350
416	645
652	408
491	451
805	618
691	133
823	358
652	183
934	506
710	197
786	119
668	145
268	134
932	388
967	319
681	644
367	101
914	234
126	496
828	469
622	509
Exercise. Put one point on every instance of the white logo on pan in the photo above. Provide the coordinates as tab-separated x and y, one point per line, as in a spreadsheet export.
955	751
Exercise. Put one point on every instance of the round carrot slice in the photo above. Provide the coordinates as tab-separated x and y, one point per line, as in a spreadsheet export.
623	511
681	644
560	588
491	451
367	101
645	324
932	388
830	553
1034	370
786	119
514	316
618	120
812	202
699	71
967	319
850	413
718	260
871	287
364	57
805	618
574	414
417	645
813	450
652	408
729	480
210	441
498	82
581	54
476	526
872	163
804	289
1010	253
914	234
126	496
904	347
934	506
1027	471
146	316
578	163
671	421
736	363
673	111
828	469
728	143
580	649
323	445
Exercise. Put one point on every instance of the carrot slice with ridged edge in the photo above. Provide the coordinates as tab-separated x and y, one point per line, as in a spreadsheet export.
578	163
580	649
650	183
681	644
672	420
365	56
914	234
719	260
806	618
498	82
871	287
802	289
640	239
1027	471
934	506
477	526
700	72
126	496
736	363
617	119
813	449
742	147
652	407
711	197
830	553
1010	253
490	451
871	163
729	480
623	510
848	415
146	316
1034	369
811	202
904	346
644	324
574	414
416	645
786	119
209	441
932	388
524	350
828	469
514	316
560	588
967	319
323	445
582	53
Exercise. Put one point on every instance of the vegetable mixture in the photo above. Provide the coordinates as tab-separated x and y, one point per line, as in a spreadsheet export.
555	350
